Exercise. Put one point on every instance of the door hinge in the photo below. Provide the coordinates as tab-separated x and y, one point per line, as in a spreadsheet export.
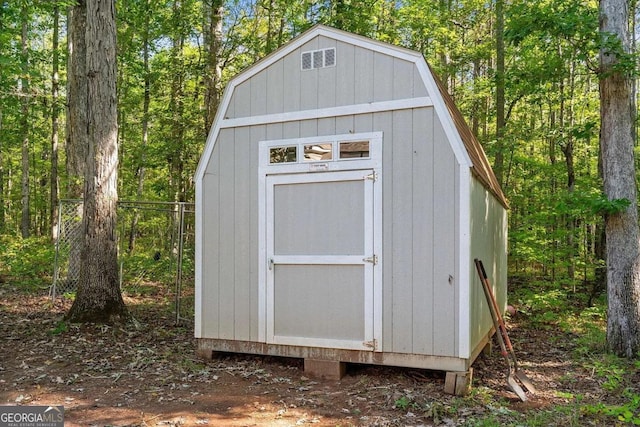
373	176
373	344
372	259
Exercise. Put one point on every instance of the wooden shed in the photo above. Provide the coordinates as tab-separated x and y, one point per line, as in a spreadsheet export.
340	202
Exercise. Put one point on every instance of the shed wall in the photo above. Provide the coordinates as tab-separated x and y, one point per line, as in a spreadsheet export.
419	229
489	244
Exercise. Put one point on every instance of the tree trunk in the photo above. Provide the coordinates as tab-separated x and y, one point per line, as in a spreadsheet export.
76	135
55	112
176	156
76	146
24	125
2	208
99	298
475	120
498	165
616	150
213	71
145	127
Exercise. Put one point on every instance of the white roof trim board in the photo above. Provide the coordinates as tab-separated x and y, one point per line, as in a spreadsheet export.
320	113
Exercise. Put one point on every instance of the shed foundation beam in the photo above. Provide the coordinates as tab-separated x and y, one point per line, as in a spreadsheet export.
204	353
458	383
327	369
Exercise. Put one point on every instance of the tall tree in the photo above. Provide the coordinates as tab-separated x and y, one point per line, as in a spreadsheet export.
141	167
498	164
176	155
618	172
2	210
214	14
99	298
76	135
55	124
24	122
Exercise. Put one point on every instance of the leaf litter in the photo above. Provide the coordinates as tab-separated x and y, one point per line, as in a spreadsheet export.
148	375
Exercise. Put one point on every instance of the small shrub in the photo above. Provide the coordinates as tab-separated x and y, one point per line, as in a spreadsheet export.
629	413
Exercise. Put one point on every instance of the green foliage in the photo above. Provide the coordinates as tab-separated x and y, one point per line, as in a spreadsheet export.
589	327
432	409
551	101
549	305
628	413
61	327
141	267
404	403
27	264
624	62
603	206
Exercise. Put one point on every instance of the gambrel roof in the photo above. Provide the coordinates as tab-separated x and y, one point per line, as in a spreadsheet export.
465	145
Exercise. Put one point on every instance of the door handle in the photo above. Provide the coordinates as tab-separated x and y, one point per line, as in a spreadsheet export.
270	263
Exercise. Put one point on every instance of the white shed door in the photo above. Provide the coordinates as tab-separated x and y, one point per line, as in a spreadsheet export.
319	246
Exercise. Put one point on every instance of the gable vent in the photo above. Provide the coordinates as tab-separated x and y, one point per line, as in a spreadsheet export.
318	58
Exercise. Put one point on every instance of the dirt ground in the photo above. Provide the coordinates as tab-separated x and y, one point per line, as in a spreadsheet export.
150	376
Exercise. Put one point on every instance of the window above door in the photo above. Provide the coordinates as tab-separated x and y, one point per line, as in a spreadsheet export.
317	154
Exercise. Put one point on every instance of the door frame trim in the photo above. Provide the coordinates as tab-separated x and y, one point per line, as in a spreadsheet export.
359	176
374	162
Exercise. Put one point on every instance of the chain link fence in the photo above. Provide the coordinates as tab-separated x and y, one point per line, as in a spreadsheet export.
155	250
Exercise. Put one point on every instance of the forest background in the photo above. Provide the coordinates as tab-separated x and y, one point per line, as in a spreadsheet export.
522	72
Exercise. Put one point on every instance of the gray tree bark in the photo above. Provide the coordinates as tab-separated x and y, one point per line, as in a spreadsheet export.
25	219
616	150
99	298
55	124
498	165
214	12
76	135
76	142
2	211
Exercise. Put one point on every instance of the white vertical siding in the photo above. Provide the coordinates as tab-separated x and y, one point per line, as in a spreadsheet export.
309	82
488	243
444	245
257	133
211	242
327	79
275	93
241	230
291	81
363	83
423	230
403	83
345	85
401	223
258	102
382	77
226	257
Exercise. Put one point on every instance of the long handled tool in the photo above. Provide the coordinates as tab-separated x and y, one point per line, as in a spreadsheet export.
503	339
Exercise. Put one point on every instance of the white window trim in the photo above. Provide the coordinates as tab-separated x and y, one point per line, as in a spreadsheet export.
374	161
